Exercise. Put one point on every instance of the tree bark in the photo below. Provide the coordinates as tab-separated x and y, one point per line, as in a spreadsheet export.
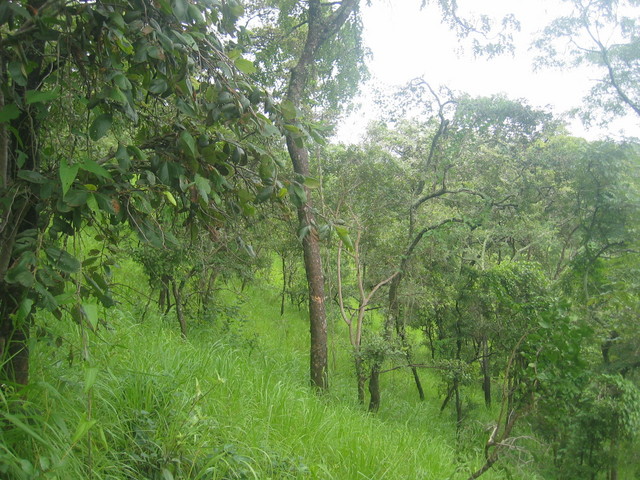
320	30
374	389
284	285
360	376
177	295
486	374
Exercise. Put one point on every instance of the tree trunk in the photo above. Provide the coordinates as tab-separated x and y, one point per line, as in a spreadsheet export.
406	347
284	285
177	295
208	291
164	301
486	374
416	379
360	377
456	389
319	31
374	388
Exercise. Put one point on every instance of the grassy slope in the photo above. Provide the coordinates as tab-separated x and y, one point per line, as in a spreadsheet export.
227	403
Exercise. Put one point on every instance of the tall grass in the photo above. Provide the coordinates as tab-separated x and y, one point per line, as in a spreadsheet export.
135	401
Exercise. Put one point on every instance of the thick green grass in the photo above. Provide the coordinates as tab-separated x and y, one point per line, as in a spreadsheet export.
135	401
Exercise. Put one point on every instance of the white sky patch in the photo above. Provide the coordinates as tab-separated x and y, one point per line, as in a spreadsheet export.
407	42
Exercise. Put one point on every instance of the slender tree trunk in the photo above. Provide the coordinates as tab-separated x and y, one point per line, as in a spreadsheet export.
208	293
320	29
406	347
360	377
486	373
164	301
447	398
456	380
284	285
456	389
177	295
374	388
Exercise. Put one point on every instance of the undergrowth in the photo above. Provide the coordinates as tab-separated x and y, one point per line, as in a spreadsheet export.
135	401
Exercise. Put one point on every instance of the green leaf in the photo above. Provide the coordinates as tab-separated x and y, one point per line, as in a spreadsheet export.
31	176
235	8
67	175
18	73
203	186
83	428
319	139
24	310
35	96
156	52
90	376
170	198
186	108
245	66
264	194
62	260
121	81
343	233
165	7
292	129
167	475
188	144
91	166
100	288
76	198
179	8
165	41
195	15
158	86
100	126
122	155
137	153
47	301
311	182
20	425
267	168
20	274
297	194
303	232
9	112
116	95
90	311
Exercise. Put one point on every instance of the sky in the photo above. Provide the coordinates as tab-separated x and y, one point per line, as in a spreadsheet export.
407	42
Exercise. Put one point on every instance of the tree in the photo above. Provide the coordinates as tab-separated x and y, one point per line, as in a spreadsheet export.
463	174
109	111
601	34
306	47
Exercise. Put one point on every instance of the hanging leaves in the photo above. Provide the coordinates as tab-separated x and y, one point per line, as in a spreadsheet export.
100	126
